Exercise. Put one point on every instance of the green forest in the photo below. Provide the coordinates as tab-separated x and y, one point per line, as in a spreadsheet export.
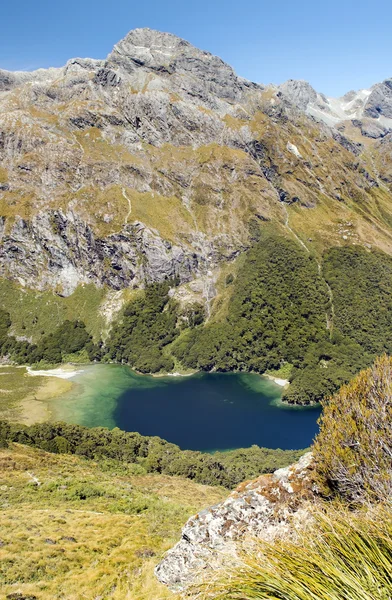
69	338
152	454
281	313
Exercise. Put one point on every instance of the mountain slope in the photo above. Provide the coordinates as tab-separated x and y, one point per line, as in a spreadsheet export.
153	163
160	165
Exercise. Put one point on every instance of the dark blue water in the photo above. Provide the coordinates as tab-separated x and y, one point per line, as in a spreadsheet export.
206	411
216	411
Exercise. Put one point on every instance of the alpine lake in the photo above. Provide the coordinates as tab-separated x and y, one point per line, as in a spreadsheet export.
204	411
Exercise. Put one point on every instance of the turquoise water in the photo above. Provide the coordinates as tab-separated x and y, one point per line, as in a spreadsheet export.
205	411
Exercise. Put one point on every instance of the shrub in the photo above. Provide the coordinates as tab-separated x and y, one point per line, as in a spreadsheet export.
353	451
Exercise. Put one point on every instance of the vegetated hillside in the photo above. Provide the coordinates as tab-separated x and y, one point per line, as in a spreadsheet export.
156	162
89	512
75	528
150	454
158	166
320	319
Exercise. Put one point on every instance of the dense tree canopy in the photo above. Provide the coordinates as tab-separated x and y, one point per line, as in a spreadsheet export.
149	323
152	453
69	338
276	311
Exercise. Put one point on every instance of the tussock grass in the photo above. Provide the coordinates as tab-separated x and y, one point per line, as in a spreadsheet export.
337	556
89	530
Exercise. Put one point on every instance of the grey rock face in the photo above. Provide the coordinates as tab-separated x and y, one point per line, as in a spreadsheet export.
107	77
353	147
7	80
262	508
300	93
370	128
370	110
379	102
60	251
173	125
167	54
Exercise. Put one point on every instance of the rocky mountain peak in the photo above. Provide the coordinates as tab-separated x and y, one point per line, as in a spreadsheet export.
299	92
379	102
370	110
150	46
167	135
166	54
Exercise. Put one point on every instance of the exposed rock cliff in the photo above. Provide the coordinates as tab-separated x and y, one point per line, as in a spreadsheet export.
266	507
370	110
61	250
159	161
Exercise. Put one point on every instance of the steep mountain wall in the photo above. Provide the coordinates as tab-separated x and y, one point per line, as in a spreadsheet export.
157	162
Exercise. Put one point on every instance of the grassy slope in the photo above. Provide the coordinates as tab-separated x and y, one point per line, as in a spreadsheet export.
33	312
55	544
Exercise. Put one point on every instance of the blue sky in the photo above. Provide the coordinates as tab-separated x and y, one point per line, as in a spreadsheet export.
336	45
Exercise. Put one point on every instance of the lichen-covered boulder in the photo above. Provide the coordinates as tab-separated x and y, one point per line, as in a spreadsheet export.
264	507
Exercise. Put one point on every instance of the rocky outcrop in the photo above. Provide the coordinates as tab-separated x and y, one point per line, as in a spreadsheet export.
264	508
197	73
379	102
369	110
370	128
300	93
61	251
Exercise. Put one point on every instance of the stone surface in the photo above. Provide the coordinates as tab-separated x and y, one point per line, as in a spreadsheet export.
370	110
262	508
60	250
299	93
379	102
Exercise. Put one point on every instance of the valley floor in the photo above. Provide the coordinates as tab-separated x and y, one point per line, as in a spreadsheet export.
25	399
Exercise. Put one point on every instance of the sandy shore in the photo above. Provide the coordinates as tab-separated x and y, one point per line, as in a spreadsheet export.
61	372
169	374
278	381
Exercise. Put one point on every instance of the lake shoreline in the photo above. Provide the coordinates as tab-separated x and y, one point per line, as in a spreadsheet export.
200	410
284	383
69	370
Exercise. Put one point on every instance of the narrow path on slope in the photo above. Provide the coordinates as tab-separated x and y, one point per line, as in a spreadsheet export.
129	204
329	317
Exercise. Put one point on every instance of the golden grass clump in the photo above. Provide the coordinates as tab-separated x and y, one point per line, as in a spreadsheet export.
337	556
353	451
